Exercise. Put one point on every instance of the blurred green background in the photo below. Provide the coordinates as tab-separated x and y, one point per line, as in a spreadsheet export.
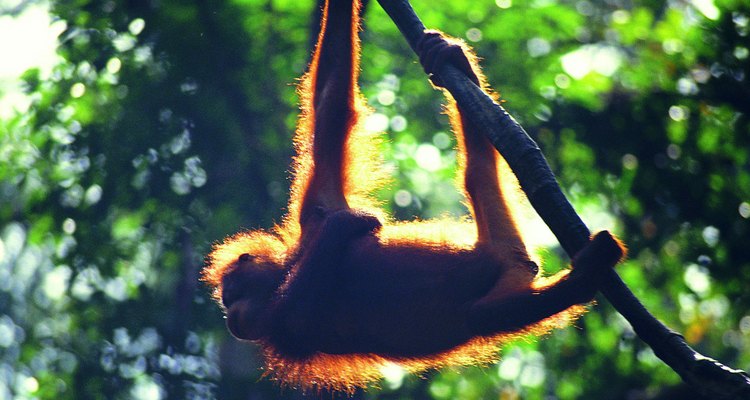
162	126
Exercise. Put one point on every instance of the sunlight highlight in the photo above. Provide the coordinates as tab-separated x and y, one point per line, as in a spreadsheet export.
605	60
427	157
707	8
37	50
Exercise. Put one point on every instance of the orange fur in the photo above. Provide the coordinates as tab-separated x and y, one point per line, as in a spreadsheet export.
348	372
363	173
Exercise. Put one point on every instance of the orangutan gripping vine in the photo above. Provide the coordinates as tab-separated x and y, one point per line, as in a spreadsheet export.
337	290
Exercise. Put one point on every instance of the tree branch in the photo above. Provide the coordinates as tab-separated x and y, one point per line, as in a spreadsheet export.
538	182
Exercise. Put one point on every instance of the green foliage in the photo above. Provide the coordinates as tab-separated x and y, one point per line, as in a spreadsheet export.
167	125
